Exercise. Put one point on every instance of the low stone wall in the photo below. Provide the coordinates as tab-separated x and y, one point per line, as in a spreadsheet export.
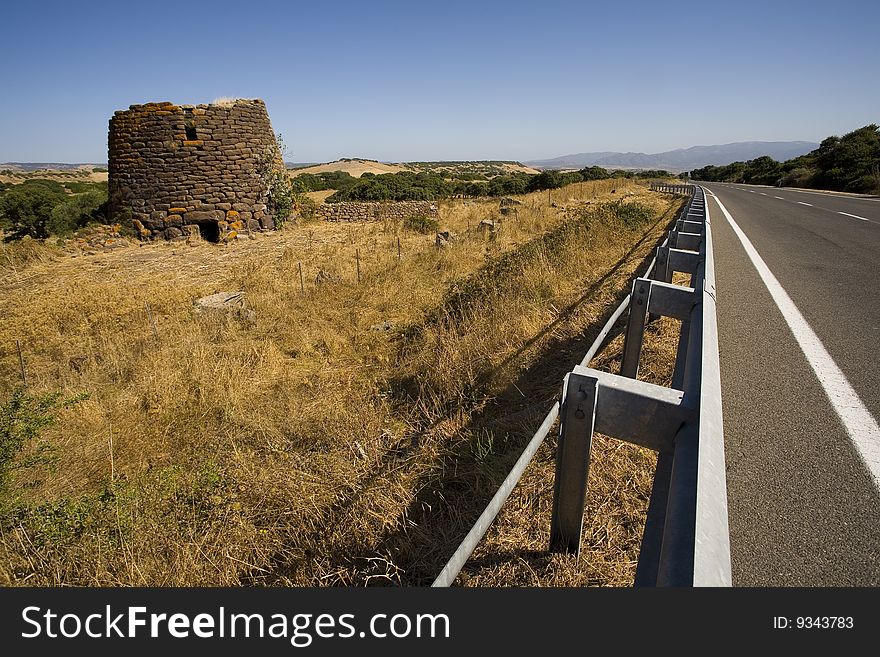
377	210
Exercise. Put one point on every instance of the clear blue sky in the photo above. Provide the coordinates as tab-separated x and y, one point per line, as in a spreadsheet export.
417	80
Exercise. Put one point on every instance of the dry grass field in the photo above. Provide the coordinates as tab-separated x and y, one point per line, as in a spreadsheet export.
357	167
354	167
353	431
82	174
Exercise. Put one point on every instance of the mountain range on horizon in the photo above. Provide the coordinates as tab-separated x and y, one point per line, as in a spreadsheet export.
681	159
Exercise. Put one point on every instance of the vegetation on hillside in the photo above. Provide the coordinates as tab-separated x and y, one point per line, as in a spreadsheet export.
318	182
39	207
430	186
845	164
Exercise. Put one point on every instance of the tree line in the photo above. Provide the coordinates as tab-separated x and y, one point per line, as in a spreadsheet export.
845	164
426	186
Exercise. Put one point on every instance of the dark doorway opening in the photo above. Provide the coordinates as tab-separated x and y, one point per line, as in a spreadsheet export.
210	231
189	125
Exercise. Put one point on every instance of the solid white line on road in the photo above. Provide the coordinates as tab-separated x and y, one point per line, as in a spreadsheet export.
833	195
854	216
808	204
851	197
860	425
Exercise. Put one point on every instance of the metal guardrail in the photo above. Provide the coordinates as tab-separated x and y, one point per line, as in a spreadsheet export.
671	188
686	539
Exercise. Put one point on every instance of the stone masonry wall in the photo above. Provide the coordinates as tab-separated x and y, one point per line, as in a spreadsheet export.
185	169
376	210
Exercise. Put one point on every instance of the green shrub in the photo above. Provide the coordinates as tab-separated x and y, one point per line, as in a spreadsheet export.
42	207
83	186
27	208
594	173
515	183
631	213
402	186
22	419
307	182
77	211
280	189
305	207
421	224
546	180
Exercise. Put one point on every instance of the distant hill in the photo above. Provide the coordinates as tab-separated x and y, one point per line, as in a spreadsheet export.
353	166
682	159
54	166
843	164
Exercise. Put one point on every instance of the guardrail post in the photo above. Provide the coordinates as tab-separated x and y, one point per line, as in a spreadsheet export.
661	272
635	327
577	420
688	241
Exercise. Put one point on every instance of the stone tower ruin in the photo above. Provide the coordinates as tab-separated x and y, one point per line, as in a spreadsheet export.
178	170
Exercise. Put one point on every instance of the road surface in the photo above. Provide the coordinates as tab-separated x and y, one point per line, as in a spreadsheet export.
803	500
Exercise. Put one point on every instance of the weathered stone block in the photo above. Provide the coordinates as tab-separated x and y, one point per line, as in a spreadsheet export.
142	230
198	216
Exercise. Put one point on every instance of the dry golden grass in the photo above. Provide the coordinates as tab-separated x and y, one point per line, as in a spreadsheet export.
519	168
320	197
309	448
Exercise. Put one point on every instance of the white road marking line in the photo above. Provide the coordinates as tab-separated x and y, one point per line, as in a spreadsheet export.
779	197
808	204
854	216
860	425
833	195
762	193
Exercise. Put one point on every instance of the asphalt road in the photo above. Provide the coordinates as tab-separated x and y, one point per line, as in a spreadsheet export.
804	509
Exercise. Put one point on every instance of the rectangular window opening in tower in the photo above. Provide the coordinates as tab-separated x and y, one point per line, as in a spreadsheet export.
189	125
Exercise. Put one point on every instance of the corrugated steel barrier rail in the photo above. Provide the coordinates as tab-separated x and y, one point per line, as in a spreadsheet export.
686	539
